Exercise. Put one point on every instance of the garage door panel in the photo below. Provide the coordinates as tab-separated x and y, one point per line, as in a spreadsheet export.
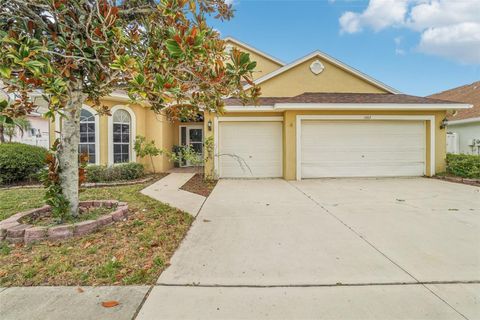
250	149
362	148
361	171
363	155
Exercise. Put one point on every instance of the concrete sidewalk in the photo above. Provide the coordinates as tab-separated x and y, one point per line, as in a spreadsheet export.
335	302
60	303
167	190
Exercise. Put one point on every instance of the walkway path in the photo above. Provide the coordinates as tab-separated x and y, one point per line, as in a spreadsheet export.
167	190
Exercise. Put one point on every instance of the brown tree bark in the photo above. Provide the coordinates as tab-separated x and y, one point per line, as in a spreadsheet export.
2	138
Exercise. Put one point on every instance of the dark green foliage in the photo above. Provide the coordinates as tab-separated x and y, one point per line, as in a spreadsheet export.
20	162
463	165
118	172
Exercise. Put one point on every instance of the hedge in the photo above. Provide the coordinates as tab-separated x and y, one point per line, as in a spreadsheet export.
118	172
20	162
463	165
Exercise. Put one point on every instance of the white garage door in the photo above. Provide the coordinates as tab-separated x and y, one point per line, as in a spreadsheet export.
362	148
250	149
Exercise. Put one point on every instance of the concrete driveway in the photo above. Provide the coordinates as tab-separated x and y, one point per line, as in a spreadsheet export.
397	248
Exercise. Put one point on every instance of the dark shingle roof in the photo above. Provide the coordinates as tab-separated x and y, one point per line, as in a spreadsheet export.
467	94
321	97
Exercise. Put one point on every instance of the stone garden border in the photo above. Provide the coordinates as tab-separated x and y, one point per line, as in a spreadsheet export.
14	231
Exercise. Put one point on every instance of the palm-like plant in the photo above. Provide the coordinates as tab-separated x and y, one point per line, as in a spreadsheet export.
11	129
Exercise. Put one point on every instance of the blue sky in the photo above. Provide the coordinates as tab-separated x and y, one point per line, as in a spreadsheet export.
409	49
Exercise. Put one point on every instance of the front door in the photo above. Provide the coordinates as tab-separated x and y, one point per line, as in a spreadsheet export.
191	135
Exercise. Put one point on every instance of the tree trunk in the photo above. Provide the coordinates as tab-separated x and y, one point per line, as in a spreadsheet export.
2	137
68	150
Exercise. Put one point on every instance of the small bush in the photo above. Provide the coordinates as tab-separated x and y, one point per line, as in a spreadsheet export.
124	171
463	165
20	162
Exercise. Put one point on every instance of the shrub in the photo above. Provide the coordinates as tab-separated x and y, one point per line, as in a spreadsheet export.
20	162
124	171
463	165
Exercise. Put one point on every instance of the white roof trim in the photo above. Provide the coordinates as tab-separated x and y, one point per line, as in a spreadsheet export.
257	51
463	121
330	59
119	96
278	107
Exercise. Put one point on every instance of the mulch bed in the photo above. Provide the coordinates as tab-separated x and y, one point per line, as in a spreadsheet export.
34	185
197	184
472	182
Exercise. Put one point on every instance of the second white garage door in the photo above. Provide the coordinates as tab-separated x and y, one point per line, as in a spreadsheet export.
362	148
250	149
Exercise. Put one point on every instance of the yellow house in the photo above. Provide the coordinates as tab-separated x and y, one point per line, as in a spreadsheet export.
317	117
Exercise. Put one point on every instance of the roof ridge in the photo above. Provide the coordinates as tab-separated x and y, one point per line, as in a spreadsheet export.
330	59
258	51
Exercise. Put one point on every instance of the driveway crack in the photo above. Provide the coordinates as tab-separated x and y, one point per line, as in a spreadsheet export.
374	247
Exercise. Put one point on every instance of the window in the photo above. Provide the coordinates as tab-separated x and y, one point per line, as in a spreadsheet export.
121	136
87	135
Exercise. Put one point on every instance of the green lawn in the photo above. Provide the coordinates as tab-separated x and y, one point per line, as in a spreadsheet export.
135	251
17	200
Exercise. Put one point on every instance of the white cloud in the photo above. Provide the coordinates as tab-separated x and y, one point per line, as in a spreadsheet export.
441	13
460	42
378	15
448	28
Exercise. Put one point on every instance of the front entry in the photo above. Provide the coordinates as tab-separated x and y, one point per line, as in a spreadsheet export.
191	135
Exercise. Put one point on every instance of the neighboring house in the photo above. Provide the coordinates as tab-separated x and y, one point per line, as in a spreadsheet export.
463	129
317	117
39	133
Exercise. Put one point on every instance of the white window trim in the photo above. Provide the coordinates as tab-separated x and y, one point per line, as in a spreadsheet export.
133	133
216	129
300	118
97	131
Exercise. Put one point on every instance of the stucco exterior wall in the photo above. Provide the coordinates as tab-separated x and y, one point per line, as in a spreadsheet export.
264	65
300	79
147	123
466	133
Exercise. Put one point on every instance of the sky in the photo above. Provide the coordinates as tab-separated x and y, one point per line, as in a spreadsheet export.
418	47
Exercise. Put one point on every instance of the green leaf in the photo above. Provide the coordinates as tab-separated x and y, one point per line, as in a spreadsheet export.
173	47
3	104
5	72
244	58
34	63
6	120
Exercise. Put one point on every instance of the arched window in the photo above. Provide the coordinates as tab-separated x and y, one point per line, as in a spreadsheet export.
122	135
88	137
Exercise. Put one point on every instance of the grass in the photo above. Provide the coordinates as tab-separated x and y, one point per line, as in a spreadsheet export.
17	200
135	251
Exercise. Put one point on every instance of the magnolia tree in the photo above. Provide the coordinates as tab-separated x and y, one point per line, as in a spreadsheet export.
162	53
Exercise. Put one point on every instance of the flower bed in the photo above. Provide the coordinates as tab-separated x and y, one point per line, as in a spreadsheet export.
17	229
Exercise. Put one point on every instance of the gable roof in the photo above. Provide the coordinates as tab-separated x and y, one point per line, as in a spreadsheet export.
257	51
469	93
330	59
